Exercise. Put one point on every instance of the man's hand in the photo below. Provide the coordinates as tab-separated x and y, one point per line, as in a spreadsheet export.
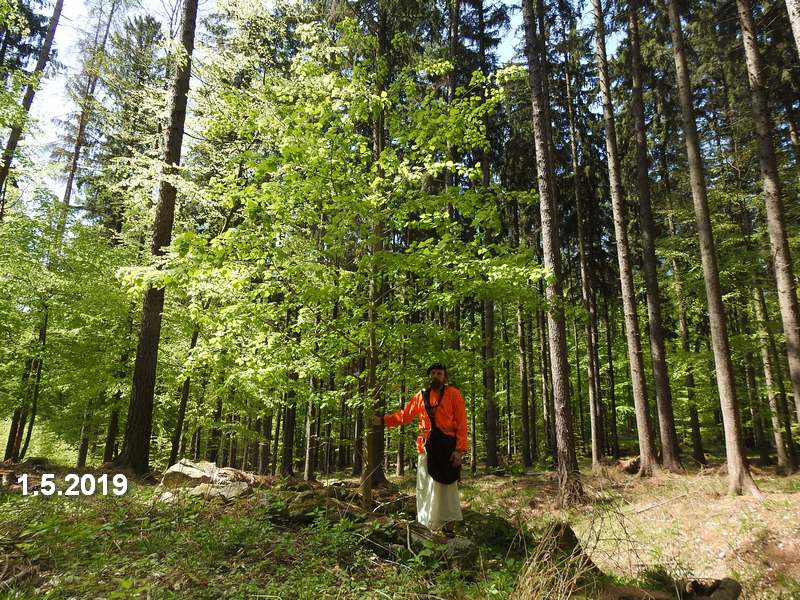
455	458
377	420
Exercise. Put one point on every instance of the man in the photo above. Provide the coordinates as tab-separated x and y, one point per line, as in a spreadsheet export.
437	503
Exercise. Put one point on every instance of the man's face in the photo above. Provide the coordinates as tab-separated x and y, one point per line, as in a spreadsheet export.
437	377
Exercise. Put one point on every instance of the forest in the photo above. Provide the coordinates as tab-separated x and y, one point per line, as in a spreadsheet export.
261	221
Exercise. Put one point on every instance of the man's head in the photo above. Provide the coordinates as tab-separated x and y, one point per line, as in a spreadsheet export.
438	375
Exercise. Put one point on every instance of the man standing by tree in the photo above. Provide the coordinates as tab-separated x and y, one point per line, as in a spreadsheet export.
441	444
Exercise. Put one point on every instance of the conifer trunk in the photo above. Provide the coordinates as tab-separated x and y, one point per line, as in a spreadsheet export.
740	479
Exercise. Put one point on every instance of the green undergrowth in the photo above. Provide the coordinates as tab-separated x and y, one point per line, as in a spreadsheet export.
131	546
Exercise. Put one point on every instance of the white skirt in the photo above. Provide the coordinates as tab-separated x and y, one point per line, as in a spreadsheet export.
437	502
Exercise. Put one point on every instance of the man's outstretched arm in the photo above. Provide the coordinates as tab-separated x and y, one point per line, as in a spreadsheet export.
400	417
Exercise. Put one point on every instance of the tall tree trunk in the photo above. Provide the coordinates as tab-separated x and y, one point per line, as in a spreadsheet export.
92	77
27	100
20	413
289	416
740	479
612	394
570	488
587	296
756	414
781	425
647	453
694	417
176	436
578	388
473	460
86	435
136	453
488	319
264	447
311	438
793	7
278	422
112	431
488	383
507	377
454	26
670	452
357	439
548	408
373	473
12	433
38	362
531	370
523	388
776	219
215	441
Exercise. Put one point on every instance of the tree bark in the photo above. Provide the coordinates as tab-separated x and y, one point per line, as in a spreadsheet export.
740	479
310	466
793	8
670	452
776	219
278	422
488	383
136	453
86	434
756	413
779	411
215	441
648	464
176	436
289	416
612	394
531	387
523	388
587	296
570	488
111	433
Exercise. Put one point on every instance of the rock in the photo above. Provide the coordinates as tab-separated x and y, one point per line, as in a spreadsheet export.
461	553
206	490
185	473
233	489
166	496
207	480
232	474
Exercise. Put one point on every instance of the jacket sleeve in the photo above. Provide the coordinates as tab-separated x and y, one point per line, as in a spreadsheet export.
460	413
404	415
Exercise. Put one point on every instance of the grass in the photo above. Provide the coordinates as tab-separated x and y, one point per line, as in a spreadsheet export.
638	531
88	547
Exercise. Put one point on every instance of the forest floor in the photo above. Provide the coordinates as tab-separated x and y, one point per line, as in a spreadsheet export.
636	530
684	525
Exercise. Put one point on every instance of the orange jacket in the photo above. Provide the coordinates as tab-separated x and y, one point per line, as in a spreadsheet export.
451	417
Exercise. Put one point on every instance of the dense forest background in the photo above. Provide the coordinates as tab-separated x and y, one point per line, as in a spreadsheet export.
263	222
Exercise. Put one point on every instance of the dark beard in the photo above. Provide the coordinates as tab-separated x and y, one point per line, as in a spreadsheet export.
435	385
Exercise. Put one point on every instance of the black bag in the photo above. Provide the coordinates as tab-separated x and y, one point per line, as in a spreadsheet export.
439	446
